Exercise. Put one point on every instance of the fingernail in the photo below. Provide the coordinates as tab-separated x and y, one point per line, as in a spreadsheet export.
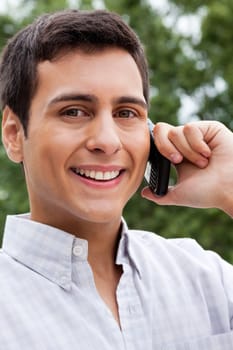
175	157
205	154
202	163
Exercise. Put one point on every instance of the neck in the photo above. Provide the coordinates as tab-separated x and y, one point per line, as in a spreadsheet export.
102	245
102	250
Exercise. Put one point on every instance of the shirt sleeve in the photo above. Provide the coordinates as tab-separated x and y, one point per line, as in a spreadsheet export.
217	264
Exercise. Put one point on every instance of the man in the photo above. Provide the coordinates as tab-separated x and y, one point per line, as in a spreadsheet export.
74	92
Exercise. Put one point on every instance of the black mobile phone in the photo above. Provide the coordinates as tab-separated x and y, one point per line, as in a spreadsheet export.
158	168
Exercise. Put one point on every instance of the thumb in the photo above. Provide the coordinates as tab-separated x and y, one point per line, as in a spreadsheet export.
168	199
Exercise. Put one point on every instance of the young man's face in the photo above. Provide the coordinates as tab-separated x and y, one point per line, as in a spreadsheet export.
88	139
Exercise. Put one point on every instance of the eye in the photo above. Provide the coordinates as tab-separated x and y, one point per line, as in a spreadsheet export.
125	113
74	112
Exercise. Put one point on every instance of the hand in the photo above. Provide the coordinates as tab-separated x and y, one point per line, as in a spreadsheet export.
202	153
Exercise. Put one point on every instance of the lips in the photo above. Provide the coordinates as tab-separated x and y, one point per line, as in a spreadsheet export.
97	175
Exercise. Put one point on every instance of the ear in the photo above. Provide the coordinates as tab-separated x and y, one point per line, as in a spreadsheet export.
12	135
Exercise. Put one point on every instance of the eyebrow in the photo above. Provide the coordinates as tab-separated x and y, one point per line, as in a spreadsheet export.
72	97
133	100
93	98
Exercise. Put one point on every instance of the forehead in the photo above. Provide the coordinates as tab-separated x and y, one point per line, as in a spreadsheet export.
108	70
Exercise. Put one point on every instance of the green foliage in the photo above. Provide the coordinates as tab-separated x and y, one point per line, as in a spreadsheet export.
216	48
213	64
13	196
42	6
173	72
7	28
191	5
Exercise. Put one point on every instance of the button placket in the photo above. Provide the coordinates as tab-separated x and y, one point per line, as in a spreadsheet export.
80	249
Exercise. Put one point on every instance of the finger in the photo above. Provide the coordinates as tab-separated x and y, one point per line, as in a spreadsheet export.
164	145
195	138
185	145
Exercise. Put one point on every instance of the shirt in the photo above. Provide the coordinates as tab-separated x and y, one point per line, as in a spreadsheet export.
172	294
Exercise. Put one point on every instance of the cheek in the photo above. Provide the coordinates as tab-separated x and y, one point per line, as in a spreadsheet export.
41	156
142	145
48	143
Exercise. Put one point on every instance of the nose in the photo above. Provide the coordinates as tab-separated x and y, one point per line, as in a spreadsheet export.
104	135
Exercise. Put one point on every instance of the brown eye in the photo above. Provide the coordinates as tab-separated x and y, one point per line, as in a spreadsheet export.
74	112
125	113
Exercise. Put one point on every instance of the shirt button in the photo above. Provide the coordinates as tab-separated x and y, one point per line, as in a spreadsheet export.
78	250
64	281
132	309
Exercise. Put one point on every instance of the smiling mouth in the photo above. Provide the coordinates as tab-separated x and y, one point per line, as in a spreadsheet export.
97	175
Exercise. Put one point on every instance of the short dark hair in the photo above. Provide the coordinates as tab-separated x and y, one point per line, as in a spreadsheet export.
48	36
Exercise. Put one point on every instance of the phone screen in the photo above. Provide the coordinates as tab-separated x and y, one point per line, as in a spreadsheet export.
158	168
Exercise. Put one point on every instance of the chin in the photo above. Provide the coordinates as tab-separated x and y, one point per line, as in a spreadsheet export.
102	213
103	218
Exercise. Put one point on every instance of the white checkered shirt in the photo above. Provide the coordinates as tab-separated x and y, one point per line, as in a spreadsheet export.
173	295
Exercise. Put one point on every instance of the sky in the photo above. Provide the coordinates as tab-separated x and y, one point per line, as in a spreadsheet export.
3	3
6	4
185	24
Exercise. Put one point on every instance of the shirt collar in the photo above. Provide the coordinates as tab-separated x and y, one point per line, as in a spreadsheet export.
42	248
126	254
48	250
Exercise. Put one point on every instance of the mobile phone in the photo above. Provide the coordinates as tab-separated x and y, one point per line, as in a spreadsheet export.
158	167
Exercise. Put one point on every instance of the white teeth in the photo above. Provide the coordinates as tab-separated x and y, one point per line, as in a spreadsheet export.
92	174
108	175
98	175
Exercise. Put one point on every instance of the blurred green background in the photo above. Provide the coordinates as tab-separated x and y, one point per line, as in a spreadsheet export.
189	45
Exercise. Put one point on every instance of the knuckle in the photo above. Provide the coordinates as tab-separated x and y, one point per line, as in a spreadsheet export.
189	128
162	148
160	127
174	132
